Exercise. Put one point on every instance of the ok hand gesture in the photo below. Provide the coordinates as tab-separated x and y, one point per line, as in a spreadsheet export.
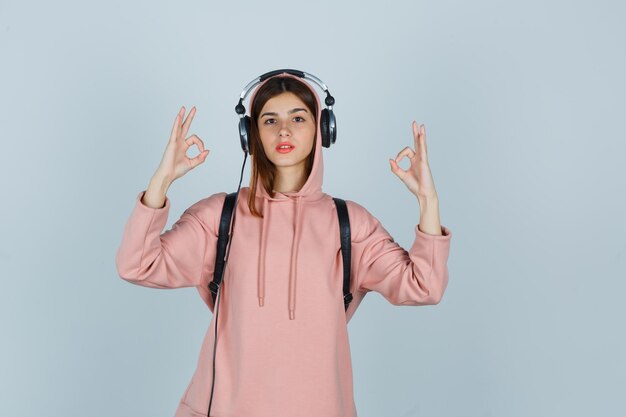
418	177
175	162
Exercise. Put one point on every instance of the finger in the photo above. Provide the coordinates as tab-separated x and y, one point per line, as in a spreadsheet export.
199	159
419	136
195	139
415	135
176	127
408	152
395	168
187	122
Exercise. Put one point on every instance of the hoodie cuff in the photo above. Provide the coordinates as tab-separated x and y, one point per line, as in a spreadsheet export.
141	206
446	234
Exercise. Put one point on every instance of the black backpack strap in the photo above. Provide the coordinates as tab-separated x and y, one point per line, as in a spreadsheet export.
346	244
222	242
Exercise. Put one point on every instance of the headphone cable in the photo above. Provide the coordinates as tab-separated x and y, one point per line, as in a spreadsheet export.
219	291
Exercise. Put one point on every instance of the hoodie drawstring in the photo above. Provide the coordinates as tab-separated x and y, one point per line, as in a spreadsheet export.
261	269
294	261
293	275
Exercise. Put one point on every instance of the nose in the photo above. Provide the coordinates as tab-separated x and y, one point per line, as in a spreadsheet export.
283	131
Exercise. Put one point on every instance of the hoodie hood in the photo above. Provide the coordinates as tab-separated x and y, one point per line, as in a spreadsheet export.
310	191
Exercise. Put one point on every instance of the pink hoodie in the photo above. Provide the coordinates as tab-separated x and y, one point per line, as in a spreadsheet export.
283	348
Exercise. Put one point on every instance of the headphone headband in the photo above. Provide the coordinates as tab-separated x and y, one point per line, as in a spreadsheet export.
329	101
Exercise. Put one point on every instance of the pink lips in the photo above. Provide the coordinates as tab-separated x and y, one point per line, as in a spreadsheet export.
284	150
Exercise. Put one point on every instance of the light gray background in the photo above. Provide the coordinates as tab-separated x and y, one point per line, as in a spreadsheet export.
522	103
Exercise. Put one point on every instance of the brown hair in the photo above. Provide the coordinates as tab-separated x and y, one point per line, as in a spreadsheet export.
263	169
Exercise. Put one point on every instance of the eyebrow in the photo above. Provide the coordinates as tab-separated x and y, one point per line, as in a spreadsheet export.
276	114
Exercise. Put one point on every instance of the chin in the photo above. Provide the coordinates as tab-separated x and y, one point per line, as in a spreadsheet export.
287	162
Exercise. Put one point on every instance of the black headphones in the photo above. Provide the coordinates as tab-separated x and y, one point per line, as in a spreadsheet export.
328	124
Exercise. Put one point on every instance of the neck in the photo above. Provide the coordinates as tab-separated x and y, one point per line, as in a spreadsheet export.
289	179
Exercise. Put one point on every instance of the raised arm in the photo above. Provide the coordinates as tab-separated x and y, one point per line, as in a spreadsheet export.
184	255
417	277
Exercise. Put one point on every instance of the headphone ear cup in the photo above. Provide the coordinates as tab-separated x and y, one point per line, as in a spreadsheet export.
244	134
332	127
325	128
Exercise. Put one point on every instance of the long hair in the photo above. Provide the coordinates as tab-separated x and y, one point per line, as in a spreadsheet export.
263	169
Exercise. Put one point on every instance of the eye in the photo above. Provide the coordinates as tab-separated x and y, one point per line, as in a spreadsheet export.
299	117
266	122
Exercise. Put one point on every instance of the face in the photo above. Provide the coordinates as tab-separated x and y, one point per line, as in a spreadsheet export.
285	118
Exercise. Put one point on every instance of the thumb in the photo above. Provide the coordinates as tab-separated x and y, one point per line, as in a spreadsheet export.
394	166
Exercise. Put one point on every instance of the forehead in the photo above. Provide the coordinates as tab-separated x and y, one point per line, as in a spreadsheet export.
284	101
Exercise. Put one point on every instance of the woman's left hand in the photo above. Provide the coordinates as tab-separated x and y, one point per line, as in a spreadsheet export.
417	178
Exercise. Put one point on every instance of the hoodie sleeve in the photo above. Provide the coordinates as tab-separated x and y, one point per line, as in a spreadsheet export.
413	278
183	256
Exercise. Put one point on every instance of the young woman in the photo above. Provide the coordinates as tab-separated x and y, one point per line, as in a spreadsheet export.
283	347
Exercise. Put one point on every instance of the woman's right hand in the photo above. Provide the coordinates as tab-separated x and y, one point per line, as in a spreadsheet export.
175	162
